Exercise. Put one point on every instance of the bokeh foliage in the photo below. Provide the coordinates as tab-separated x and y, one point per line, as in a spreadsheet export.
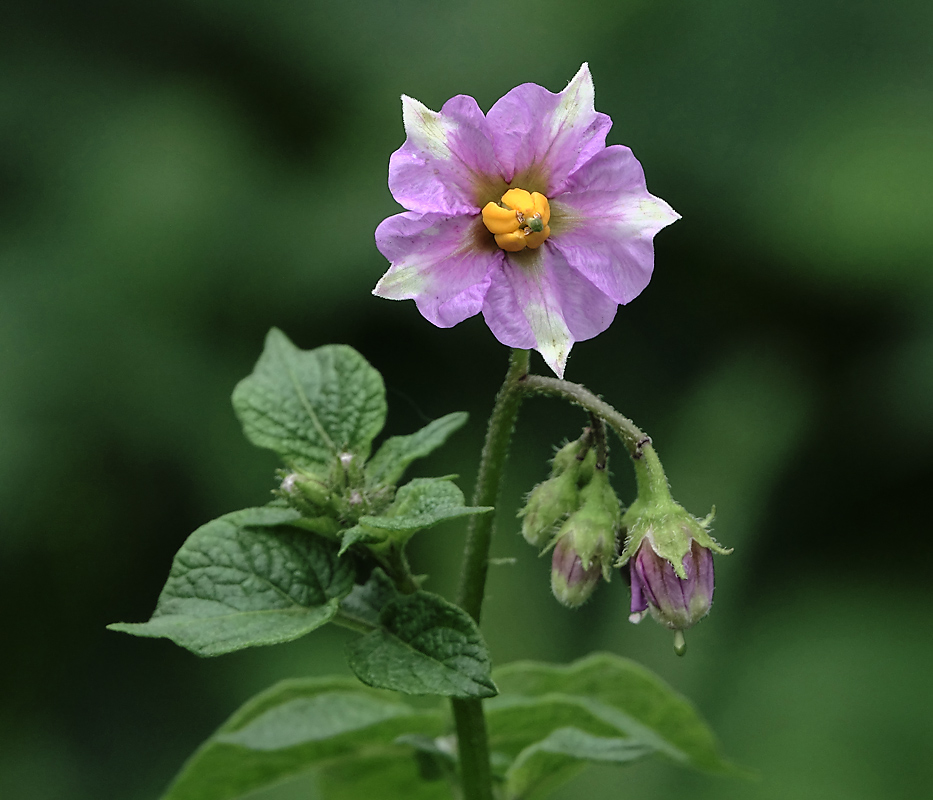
178	177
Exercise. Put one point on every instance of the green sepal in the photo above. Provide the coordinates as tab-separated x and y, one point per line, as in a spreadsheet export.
655	514
424	645
551	502
547	506
246	579
397	452
594	526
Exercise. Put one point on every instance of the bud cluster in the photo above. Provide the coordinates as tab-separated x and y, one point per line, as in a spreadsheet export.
667	554
576	512
332	500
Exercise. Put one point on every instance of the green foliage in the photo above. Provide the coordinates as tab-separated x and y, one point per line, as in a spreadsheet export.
247	579
397	452
558	757
548	724
366	601
380	777
419	504
309	406
297	725
422	503
424	645
604	695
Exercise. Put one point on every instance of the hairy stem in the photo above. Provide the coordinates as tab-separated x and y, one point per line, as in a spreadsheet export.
475	773
631	435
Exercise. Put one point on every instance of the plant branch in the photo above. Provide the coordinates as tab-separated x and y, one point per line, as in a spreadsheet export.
631	435
472	740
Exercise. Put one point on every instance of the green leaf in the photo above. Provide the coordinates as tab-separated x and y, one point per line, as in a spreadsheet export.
247	579
296	726
359	534
425	645
397	452
544	765
515	722
618	693
421	503
382	778
366	601
309	406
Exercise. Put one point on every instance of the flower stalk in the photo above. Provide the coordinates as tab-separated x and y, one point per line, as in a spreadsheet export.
472	739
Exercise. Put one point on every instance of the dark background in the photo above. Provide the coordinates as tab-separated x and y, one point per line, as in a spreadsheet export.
177	177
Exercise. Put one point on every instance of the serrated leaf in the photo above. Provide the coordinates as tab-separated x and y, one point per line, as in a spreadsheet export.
544	765
311	405
296	726
396	453
366	601
421	503
247	579
424	645
621	694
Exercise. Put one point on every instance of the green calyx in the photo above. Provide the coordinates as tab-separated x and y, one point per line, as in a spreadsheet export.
671	529
552	501
593	528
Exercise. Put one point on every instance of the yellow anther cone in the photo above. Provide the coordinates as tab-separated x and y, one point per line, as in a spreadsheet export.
515	219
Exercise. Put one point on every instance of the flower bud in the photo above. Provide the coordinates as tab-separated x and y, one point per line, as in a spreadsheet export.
669	554
310	495
550	502
585	548
571	582
675	602
548	505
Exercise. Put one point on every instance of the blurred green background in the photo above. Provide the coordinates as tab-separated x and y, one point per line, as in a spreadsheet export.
177	177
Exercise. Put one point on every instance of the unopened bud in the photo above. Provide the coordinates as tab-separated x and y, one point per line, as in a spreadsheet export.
668	553
675	602
550	502
307	492
548	505
571	582
586	544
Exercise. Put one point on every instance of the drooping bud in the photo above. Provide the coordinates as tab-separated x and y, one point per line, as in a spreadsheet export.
585	548
675	602
571	582
550	502
668	553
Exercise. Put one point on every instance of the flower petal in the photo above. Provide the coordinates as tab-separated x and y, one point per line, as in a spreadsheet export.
535	300
543	137
447	161
605	223
442	263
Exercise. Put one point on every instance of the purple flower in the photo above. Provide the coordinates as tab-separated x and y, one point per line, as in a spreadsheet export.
523	213
675	602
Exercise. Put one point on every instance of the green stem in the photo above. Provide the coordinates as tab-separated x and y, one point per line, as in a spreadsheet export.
650	477
633	437
488	478
472	740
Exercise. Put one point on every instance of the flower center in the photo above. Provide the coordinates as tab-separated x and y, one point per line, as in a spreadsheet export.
519	220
